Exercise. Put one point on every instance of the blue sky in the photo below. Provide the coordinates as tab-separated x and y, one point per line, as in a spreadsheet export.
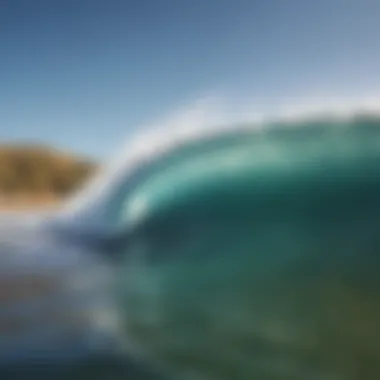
83	75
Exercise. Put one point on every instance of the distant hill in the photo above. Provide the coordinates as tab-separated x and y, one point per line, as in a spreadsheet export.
39	174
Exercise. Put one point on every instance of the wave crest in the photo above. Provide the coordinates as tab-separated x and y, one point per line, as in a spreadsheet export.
210	118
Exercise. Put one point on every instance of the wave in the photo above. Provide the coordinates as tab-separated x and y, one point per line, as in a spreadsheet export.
209	119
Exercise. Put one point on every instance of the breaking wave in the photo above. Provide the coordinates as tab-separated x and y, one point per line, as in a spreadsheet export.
208	118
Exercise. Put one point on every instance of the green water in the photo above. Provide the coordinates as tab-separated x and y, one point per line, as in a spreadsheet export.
265	267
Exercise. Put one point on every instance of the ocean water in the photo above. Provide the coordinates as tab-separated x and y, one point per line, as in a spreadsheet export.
255	254
253	249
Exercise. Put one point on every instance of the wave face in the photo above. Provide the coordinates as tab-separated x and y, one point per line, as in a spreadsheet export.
287	287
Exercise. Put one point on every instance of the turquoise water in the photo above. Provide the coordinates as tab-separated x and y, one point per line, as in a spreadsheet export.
256	255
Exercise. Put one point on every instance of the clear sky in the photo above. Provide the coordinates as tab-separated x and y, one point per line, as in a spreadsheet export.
85	74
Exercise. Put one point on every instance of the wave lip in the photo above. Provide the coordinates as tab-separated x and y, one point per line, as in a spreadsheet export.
208	118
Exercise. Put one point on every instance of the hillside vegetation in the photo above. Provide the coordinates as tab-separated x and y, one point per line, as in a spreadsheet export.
38	174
